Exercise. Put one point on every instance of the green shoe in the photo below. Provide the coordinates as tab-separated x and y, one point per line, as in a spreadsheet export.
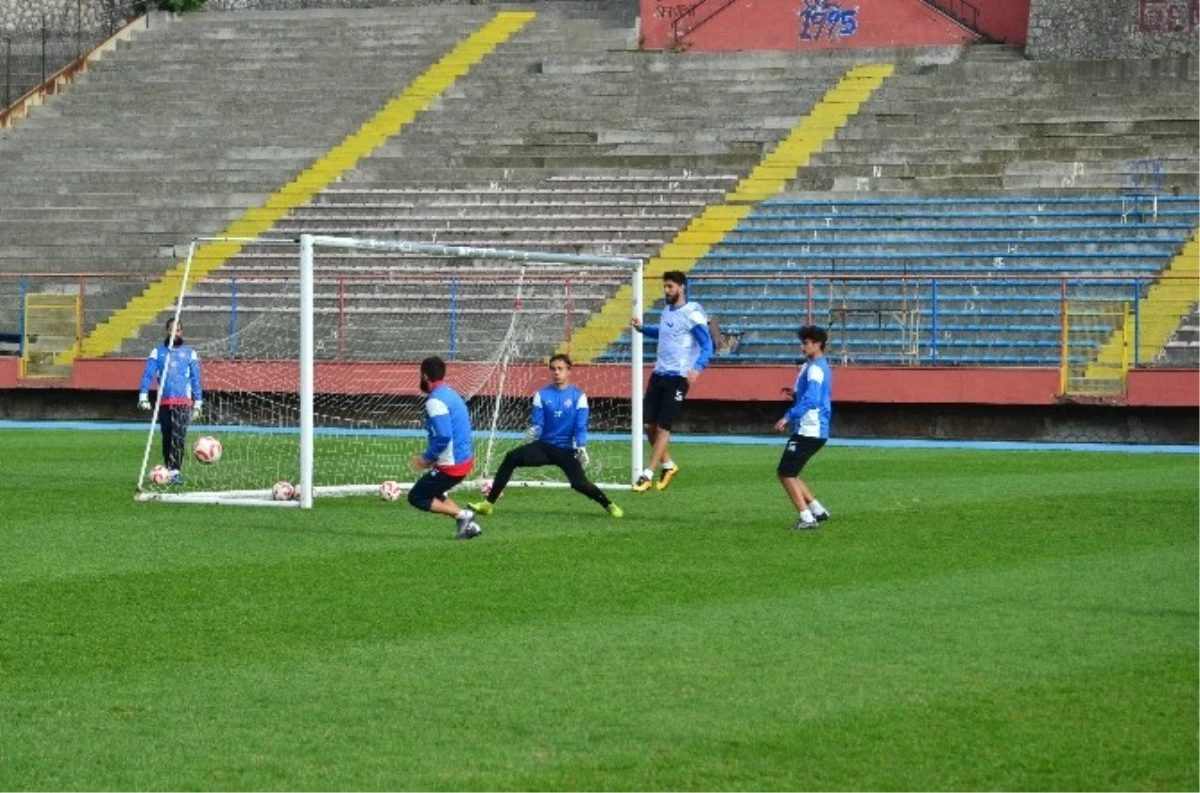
615	511
481	508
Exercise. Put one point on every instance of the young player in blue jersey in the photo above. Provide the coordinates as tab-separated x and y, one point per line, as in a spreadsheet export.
809	422
449	455
175	366
684	349
559	425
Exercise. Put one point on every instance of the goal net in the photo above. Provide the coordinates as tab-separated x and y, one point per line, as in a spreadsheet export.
310	362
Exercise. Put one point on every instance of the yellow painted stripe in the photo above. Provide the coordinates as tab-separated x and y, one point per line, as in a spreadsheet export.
1159	313
108	336
767	179
808	137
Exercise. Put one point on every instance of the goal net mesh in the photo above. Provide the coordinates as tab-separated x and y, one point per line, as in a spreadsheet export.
376	315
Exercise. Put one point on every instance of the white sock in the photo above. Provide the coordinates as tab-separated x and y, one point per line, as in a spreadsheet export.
462	513
815	507
648	473
668	465
807	516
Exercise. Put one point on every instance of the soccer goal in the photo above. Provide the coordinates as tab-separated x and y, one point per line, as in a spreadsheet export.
311	358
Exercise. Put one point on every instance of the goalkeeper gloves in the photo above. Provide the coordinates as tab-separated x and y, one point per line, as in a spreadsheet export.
197	409
582	456
144	401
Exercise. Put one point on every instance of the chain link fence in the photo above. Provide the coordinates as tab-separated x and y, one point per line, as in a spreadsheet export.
60	35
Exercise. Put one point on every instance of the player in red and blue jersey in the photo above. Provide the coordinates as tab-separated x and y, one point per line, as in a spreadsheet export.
809	421
176	368
558	424
449	455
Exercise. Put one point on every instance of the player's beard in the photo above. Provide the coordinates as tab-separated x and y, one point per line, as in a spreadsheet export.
178	341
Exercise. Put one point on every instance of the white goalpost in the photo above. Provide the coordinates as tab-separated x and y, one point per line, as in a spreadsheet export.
310	352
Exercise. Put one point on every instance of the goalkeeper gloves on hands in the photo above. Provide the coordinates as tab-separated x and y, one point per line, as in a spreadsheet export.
144	401
582	456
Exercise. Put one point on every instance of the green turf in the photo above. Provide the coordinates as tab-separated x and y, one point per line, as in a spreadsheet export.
967	620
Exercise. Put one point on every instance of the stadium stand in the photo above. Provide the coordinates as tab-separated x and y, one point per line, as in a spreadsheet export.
566	137
968	281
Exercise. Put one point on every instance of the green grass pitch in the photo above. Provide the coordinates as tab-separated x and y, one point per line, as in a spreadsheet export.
967	620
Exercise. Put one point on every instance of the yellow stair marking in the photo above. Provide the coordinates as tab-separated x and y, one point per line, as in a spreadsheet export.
767	179
1166	302
108	336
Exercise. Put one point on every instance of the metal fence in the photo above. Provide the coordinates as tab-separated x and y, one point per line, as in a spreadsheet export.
927	321
62	37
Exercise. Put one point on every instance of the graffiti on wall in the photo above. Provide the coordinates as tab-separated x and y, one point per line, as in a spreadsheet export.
826	20
1169	16
672	11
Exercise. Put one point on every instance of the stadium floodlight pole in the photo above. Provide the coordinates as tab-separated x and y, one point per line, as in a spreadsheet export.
635	352
306	371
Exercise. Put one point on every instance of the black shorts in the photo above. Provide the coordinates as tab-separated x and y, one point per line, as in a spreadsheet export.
797	453
433	486
539	453
664	400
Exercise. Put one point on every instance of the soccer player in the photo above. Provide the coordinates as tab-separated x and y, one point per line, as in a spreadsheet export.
559	428
449	456
684	349
176	368
809	420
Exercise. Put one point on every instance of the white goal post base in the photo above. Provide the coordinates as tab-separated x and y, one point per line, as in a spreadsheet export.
262	498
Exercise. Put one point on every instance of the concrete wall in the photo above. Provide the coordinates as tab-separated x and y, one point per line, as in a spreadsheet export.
1100	29
1046	423
797	25
19	17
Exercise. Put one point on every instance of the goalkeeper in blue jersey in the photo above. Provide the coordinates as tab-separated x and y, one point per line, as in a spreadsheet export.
684	348
808	419
559	428
176	368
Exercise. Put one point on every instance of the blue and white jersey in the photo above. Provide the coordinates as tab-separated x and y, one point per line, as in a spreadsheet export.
684	343
561	416
182	383
449	428
809	416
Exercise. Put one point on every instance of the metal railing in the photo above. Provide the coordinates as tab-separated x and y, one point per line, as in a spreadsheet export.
29	58
914	321
695	16
961	11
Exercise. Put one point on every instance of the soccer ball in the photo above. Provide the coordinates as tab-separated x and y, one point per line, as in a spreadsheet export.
485	487
283	491
160	475
390	491
208	450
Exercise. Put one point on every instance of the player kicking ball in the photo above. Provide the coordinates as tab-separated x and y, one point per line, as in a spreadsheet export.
559	428
449	455
809	420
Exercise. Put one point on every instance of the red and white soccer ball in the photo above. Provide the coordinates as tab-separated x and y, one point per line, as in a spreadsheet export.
391	491
208	450
160	475
485	487
283	491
